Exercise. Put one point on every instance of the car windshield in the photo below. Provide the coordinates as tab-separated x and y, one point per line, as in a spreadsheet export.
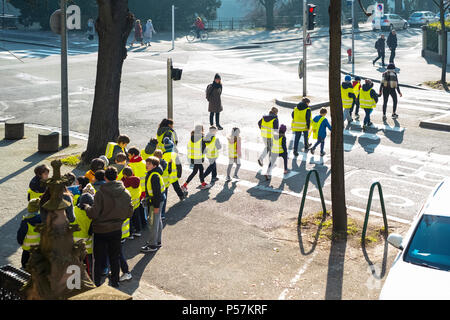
430	244
416	15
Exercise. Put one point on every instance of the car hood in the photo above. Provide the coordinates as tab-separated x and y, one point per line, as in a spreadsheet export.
407	281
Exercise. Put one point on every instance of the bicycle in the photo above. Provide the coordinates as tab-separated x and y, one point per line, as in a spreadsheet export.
192	35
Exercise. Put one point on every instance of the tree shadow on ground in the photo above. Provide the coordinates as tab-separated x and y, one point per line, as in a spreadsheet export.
335	273
8	232
34	159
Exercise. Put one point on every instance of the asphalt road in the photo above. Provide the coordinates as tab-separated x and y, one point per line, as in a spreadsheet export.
406	159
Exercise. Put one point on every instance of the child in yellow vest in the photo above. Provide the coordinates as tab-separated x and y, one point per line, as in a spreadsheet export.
279	149
234	153
36	188
319	129
27	236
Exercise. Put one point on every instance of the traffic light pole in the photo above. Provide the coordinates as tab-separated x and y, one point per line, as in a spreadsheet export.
353	37
64	78
305	25
169	89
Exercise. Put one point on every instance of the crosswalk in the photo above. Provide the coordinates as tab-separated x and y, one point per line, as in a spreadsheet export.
37	53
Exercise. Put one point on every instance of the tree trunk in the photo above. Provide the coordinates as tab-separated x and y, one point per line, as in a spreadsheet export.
339	210
443	44
398	6
269	14
113	25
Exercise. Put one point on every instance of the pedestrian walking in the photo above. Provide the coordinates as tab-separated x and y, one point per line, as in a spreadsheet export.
149	30
392	44
301	120
234	153
112	206
356	90
138	37
196	155
267	124
348	98
368	101
175	167
90	29
389	87
213	93
279	149
154	190
319	129
212	147
164	172
380	45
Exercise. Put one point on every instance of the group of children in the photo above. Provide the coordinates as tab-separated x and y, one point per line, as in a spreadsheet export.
147	174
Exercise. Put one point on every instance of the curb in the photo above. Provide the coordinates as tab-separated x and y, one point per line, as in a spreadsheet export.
435	126
378	81
292	105
244	47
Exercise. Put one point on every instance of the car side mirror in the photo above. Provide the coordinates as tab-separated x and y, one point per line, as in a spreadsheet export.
396	240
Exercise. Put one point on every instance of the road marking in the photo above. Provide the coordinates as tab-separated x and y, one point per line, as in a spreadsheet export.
297	277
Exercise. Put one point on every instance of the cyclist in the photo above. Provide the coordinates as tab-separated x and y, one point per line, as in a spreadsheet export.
199	26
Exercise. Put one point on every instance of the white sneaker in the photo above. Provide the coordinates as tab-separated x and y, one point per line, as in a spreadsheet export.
206	186
125	277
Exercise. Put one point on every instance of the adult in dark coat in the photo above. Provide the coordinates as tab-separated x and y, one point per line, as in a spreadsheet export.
392	44
213	93
380	46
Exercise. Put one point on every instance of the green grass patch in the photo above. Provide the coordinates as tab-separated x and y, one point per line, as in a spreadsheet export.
71	161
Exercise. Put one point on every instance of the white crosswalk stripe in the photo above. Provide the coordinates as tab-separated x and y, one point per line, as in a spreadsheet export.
38	53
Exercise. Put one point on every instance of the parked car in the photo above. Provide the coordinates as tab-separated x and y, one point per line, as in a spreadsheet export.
389	21
446	16
420	18
421	270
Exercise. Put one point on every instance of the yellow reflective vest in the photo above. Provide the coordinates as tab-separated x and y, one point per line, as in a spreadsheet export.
211	149
346	100
171	159
84	222
356	89
148	189
267	128
366	101
110	149
145	155
315	126
277	145
32	238
195	151
139	170
135	196
126	229
299	120
33	195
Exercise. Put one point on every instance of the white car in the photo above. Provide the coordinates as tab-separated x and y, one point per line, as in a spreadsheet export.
389	21
422	268
420	18
446	16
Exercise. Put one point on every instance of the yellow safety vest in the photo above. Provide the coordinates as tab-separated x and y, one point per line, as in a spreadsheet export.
139	170
84	222
110	149
171	158
366	101
299	120
165	176
126	229
346	100
33	195
195	150
267	128
145	155
277	145
356	89
211	149
232	150
32	238
135	196
316	126
160	138
148	189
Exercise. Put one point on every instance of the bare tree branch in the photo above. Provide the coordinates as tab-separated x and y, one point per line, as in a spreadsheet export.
364	10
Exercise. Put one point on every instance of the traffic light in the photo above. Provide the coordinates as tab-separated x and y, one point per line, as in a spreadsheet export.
311	15
176	74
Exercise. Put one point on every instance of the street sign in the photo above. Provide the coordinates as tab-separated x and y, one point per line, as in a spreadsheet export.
55	21
308	40
301	69
380	7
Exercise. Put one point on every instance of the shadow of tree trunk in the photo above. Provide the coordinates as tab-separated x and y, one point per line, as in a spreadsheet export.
335	274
